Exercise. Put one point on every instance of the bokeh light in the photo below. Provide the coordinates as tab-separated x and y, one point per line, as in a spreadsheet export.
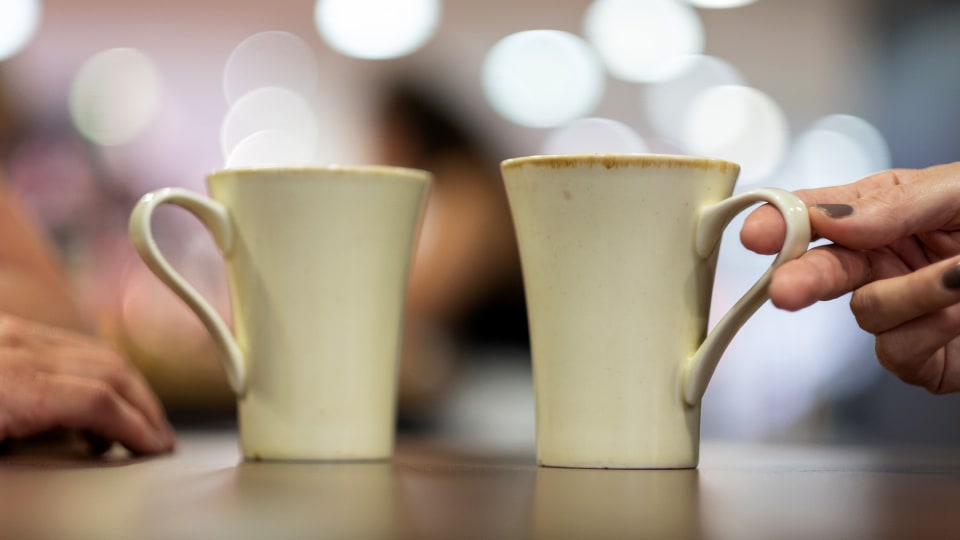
19	20
720	4
543	78
114	96
272	110
740	124
666	102
827	158
376	29
271	147
867	136
594	136
839	149
643	40
271	58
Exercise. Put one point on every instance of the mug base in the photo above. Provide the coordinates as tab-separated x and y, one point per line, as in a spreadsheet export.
257	458
631	467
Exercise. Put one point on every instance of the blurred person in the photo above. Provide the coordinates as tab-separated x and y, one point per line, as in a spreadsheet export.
59	381
896	246
465	288
80	197
54	373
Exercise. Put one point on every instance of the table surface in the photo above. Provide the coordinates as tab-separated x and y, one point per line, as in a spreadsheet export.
436	490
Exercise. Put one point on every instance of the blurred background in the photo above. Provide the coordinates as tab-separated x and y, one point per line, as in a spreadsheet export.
104	100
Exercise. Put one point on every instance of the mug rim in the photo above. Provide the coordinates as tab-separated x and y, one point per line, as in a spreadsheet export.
615	160
384	170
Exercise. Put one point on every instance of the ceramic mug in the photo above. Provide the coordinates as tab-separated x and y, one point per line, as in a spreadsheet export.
317	261
618	255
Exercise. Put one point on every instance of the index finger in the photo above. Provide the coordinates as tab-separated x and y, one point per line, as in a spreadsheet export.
764	229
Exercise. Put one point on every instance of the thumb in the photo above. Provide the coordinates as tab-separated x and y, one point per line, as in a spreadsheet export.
879	217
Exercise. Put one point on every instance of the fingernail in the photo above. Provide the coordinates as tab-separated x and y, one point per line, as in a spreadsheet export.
836	210
951	278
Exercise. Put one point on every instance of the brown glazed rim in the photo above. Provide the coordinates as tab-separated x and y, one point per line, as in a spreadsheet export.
615	161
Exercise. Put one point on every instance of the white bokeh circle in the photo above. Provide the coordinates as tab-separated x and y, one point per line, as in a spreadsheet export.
269	109
837	149
272	58
740	124
643	40
867	136
270	148
115	95
376	29
543	78
594	136
665	102
19	20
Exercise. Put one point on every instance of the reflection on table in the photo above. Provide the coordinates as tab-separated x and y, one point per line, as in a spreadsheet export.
437	490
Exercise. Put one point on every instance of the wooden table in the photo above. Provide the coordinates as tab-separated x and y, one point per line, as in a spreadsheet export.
432	490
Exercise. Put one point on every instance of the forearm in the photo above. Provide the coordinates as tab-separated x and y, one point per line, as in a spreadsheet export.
39	296
33	283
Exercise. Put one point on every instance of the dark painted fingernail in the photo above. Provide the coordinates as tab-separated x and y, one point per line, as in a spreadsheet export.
951	278
836	210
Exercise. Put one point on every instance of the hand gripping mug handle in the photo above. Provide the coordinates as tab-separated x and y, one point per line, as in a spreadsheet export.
216	218
713	220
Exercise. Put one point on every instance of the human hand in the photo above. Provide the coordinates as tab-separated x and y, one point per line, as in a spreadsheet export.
896	245
54	378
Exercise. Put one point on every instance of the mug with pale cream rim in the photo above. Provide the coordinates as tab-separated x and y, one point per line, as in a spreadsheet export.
317	261
618	255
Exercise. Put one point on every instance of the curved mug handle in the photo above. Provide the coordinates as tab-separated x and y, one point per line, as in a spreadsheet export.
713	220
216	218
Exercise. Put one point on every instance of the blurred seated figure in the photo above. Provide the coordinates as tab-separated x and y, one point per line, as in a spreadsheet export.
60	382
68	271
465	285
55	374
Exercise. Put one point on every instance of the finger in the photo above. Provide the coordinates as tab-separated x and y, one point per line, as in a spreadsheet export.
84	404
888	303
96	444
95	360
18	332
950	381
916	203
764	229
823	273
915	351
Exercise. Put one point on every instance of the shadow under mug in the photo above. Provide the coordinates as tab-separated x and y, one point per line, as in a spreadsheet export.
317	261
618	255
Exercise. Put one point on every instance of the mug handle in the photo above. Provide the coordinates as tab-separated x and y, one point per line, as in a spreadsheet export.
713	220
216	218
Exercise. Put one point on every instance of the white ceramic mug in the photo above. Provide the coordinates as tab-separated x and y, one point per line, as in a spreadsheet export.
618	256
317	262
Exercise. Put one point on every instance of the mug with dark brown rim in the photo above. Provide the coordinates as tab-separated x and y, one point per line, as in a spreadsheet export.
618	255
